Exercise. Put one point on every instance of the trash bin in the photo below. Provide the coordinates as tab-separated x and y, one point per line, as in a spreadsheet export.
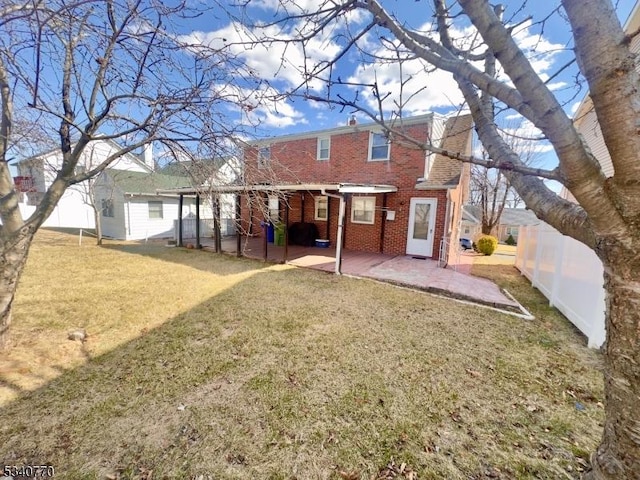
279	234
270	233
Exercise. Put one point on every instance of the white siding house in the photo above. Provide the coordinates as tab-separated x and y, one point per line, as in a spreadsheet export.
208	173
74	210
585	117
130	207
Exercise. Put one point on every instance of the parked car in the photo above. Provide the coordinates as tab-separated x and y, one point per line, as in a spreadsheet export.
466	244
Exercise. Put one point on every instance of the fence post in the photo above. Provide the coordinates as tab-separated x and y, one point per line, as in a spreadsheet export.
521	247
557	270
536	263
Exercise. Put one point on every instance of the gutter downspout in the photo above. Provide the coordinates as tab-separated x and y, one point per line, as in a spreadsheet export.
446	232
339	234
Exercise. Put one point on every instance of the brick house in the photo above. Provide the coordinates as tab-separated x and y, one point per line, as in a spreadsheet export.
396	198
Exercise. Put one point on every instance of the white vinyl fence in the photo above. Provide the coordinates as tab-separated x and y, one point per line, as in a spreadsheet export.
206	227
568	273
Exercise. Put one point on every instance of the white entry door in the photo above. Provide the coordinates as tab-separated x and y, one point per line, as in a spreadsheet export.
422	220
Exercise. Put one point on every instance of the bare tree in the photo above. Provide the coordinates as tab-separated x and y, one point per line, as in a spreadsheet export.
491	190
88	70
462	38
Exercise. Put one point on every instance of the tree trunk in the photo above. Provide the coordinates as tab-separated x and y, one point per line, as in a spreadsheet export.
487	229
13	256
98	221
618	455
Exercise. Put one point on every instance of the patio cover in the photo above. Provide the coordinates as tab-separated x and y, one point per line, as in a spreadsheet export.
341	189
286	187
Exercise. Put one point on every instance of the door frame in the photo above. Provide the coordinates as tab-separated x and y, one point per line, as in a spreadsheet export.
424	251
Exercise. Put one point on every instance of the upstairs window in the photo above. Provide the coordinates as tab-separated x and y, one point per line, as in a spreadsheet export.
264	157
322	208
155	209
363	210
324	148
378	147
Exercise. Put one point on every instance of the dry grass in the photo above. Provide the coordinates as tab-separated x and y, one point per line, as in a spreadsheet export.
201	365
504	255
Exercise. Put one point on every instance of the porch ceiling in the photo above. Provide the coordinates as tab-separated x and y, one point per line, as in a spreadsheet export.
297	187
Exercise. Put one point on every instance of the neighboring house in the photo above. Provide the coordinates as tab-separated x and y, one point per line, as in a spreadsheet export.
206	174
398	199
131	209
510	222
74	210
585	118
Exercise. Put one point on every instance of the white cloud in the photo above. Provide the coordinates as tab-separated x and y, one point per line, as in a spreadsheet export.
262	106
425	89
269	52
421	94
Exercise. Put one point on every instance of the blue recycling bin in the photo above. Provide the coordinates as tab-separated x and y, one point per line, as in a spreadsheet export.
270	233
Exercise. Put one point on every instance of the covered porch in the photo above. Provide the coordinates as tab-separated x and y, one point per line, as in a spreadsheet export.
268	250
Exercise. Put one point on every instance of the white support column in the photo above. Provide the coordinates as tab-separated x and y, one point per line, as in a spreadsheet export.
339	235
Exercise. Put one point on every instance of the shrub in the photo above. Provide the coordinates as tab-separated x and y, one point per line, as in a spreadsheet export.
487	244
510	240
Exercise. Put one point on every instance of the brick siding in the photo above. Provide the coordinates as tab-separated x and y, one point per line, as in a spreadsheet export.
294	161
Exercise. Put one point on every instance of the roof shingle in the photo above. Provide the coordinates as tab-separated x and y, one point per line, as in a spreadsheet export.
146	183
445	172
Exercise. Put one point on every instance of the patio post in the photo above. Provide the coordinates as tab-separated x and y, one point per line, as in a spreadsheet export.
180	204
198	221
216	223
238	226
383	222
341	212
328	234
265	227
286	229
215	230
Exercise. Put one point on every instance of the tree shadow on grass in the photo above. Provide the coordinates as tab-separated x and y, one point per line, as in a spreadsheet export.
200	259
297	373
105	405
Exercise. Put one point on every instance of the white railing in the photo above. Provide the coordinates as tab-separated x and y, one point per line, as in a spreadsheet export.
446	253
568	273
206	227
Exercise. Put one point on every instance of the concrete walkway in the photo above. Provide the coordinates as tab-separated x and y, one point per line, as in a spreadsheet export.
454	281
426	275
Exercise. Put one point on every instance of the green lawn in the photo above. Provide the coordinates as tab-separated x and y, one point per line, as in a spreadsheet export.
201	366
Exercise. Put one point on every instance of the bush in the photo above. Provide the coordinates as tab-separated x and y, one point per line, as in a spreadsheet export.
510	240
487	244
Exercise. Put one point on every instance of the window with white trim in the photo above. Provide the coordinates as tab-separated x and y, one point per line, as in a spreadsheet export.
264	157
513	231
107	207
378	147
155	209
324	148
322	208
363	210
274	208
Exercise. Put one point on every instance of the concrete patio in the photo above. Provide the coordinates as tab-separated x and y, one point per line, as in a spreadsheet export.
454	281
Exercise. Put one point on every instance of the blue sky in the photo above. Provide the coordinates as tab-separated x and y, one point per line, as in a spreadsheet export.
277	66
435	91
440	94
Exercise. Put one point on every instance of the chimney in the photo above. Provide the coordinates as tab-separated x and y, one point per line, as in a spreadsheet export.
352	121
147	155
